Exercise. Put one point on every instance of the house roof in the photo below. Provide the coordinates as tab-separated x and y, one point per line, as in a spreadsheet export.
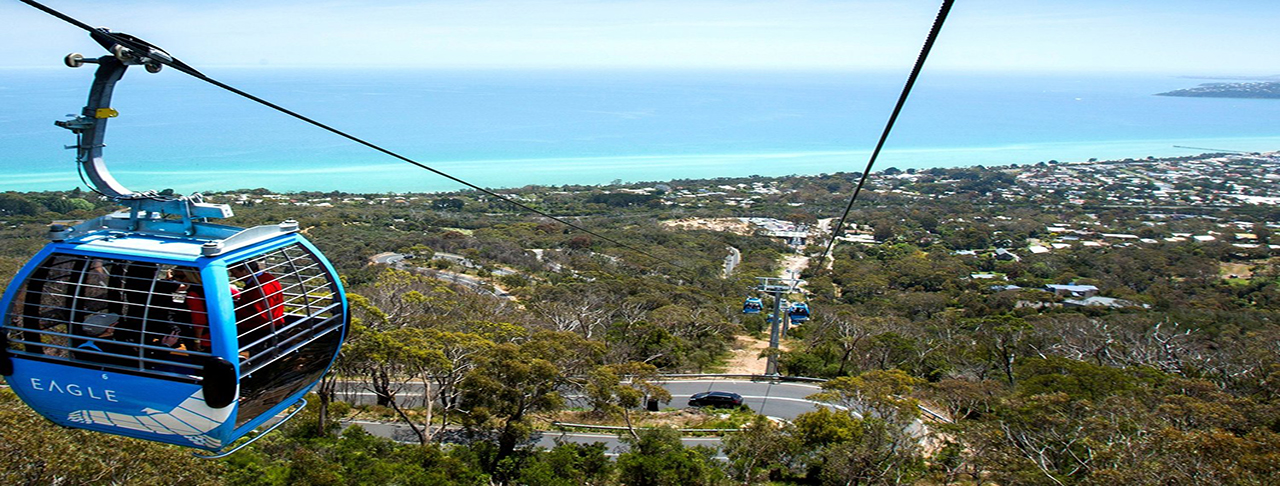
1072	288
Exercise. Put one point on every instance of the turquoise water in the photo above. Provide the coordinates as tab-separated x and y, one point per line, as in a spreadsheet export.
513	128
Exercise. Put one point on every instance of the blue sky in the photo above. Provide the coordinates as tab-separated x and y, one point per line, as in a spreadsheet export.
1171	36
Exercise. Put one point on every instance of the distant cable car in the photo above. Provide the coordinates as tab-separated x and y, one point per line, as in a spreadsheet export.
752	306
799	312
153	323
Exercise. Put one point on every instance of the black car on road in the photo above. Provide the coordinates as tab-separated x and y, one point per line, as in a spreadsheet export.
715	399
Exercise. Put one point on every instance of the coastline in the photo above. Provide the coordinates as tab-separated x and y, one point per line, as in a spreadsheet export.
397	177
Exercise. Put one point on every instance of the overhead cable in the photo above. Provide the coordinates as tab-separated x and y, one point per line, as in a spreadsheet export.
902	100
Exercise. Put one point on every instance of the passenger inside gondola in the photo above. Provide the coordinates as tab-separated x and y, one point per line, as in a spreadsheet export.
138	280
178	323
94	294
194	312
161	317
259	307
99	345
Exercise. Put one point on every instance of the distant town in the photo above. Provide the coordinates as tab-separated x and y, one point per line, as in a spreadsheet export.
1161	189
1230	90
1154	193
1211	180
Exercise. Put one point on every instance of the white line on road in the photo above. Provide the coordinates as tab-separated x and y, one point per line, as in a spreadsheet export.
805	385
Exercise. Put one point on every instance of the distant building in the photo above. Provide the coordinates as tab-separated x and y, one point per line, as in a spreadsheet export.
1099	301
1077	291
1006	255
859	238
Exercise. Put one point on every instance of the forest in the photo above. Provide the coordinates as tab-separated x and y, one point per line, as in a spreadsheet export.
1176	381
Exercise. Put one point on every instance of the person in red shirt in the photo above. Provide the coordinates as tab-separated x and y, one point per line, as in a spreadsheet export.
260	306
197	314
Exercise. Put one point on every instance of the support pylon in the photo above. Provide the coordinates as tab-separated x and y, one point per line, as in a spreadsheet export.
775	287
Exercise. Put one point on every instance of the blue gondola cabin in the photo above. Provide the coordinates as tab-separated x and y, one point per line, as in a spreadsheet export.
188	340
799	312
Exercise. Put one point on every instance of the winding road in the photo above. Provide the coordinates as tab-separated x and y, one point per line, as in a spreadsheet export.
774	399
399	261
781	400
778	400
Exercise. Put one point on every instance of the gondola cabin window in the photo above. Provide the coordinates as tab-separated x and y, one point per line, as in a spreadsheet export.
287	322
128	316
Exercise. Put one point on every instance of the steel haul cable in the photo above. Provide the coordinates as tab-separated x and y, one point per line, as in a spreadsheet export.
902	100
164	58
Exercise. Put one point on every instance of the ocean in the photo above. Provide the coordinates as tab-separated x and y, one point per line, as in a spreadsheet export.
502	128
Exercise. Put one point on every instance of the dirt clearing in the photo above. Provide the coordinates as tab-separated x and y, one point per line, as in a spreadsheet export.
730	225
746	359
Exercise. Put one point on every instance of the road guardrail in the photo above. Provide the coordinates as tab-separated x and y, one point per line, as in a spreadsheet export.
621	428
745	376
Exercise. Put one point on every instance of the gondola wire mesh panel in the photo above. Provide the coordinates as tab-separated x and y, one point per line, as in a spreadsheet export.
285	301
289	319
112	314
139	318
